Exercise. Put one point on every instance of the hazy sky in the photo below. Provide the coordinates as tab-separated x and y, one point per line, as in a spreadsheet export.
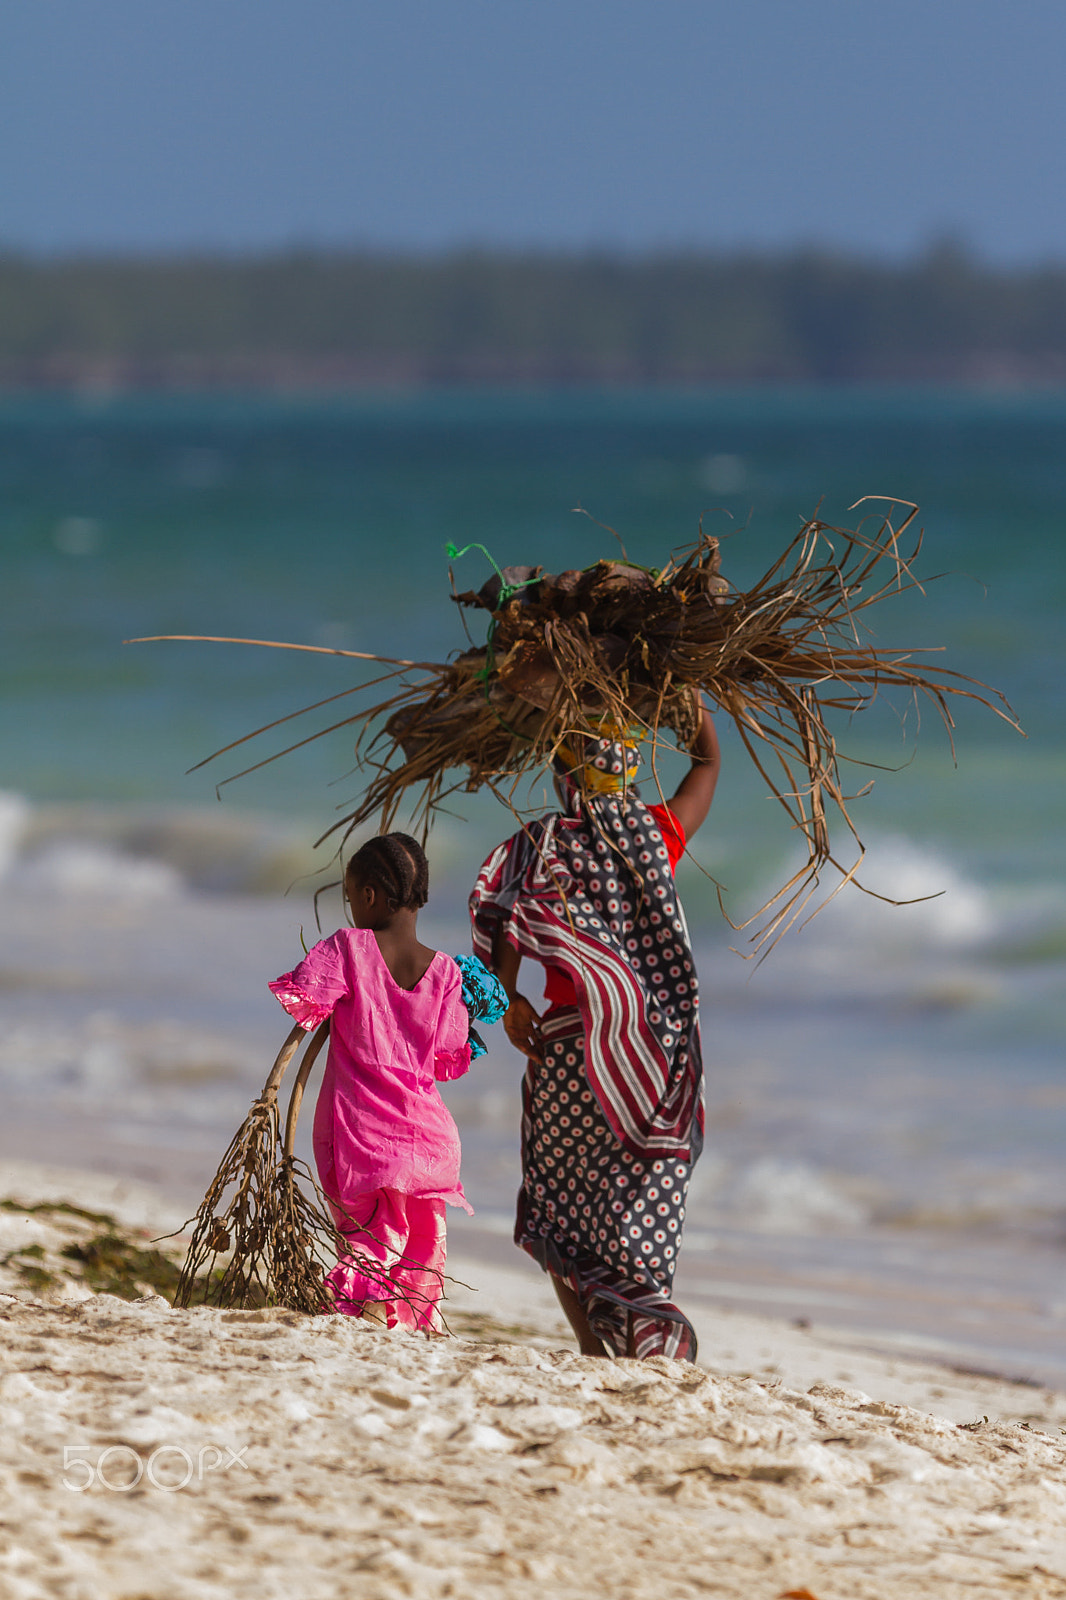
866	124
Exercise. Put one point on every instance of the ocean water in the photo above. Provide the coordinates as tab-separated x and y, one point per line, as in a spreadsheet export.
886	1091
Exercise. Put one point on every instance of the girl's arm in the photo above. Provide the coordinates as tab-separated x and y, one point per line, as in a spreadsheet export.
521	1022
452	1053
312	989
692	801
483	996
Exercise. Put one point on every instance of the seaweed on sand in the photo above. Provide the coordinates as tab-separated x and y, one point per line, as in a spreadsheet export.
112	1260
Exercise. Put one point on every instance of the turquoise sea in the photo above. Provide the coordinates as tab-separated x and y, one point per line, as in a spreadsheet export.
886	1092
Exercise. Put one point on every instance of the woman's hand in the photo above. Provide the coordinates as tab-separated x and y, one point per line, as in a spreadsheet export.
521	1023
522	1026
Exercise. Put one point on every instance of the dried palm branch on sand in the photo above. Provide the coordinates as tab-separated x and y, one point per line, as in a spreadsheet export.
264	1233
624	646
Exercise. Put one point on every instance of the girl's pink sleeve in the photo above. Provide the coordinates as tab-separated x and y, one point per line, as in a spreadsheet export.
310	991
452	1054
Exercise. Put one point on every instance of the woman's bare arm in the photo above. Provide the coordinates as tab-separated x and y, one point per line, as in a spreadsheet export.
692	801
521	1022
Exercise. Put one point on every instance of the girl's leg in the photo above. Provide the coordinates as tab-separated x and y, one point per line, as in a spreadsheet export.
588	1343
376	1311
376	1235
419	1274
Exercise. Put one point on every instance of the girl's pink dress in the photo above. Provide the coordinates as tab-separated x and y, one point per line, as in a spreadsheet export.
386	1146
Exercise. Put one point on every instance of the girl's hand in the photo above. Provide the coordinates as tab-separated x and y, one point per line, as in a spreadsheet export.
522	1026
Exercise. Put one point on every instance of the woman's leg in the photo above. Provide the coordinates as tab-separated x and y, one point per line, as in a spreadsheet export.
575	1315
585	1200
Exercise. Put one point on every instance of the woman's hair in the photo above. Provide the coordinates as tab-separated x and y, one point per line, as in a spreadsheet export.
395	865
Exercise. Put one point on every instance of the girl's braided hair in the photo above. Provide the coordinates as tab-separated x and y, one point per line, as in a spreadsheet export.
396	865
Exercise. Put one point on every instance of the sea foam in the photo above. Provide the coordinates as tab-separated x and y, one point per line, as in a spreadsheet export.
130	850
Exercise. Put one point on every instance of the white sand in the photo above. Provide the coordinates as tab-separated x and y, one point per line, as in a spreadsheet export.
326	1458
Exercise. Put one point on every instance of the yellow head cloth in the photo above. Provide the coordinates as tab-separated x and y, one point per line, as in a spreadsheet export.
607	764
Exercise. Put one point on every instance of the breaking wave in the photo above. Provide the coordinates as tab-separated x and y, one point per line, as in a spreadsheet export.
927	934
131	851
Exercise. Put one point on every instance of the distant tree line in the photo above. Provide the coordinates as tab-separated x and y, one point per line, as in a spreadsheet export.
336	319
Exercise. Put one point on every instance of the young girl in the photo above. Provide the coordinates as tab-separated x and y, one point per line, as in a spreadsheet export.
386	1147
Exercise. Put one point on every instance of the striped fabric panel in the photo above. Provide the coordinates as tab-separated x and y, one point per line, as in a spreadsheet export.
649	1093
646	1096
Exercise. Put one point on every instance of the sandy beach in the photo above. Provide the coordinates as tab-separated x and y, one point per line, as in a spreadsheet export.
151	1453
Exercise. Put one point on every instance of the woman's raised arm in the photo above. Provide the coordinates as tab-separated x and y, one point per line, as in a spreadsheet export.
692	801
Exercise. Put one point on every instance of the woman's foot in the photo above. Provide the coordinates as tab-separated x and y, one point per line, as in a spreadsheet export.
587	1341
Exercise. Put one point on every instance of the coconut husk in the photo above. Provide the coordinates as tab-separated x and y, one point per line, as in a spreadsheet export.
621	645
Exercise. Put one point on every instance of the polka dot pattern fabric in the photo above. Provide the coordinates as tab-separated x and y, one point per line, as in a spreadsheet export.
607	1224
590	893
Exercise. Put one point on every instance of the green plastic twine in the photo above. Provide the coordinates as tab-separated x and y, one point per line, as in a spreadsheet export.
454	553
506	591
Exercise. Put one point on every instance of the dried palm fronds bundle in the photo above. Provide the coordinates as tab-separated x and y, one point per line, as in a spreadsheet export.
565	654
624	646
264	1233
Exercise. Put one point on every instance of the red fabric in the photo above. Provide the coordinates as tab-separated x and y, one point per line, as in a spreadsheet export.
396	1258
672	831
558	989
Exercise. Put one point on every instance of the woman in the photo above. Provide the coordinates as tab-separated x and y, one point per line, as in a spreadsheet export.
613	1094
